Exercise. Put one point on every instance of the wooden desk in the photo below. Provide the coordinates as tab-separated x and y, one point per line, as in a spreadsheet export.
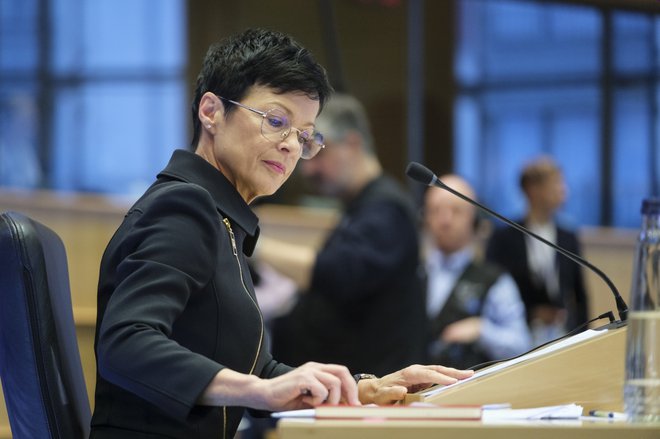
589	373
326	429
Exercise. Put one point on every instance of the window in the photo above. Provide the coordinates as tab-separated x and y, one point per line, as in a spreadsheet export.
92	94
575	82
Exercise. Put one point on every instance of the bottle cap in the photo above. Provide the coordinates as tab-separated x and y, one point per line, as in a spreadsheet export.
651	206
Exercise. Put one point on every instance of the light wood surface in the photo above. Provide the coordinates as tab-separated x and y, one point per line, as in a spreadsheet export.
589	373
299	429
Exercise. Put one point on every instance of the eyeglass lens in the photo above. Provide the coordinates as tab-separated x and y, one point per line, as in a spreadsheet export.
276	126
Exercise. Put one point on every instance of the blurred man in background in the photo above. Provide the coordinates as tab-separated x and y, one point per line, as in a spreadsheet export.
551	285
361	300
474	307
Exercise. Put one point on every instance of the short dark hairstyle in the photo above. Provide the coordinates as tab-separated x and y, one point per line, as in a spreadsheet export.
258	57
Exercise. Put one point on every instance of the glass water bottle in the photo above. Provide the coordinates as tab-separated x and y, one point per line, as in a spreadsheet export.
642	380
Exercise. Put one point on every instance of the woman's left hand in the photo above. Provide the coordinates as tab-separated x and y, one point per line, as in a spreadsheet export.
394	387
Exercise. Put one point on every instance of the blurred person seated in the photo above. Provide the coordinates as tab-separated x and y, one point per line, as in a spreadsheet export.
474	308
551	285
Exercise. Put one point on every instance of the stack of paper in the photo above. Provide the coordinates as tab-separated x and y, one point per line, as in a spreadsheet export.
566	411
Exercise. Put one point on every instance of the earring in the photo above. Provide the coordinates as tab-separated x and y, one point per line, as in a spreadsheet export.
208	126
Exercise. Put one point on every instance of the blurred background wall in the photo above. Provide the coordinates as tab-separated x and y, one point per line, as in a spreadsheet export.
94	96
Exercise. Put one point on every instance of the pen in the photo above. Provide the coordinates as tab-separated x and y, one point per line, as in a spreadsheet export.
606	414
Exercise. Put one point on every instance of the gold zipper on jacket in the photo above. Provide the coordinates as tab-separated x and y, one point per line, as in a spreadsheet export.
240	270
224	422
234	249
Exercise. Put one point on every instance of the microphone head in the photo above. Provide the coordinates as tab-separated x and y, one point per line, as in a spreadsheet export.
420	173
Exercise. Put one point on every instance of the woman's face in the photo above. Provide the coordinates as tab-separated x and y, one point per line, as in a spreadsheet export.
257	166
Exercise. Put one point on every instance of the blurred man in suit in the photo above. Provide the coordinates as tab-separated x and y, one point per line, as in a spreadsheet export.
551	285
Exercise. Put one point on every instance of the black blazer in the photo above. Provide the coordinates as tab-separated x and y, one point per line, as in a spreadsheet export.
365	307
175	306
507	248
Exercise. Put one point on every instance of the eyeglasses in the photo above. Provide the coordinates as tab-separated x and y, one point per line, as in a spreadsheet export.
275	126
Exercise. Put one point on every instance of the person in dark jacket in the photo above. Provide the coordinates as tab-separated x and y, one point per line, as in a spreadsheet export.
179	339
368	270
551	285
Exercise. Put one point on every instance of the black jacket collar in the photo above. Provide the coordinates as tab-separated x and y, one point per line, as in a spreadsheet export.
191	168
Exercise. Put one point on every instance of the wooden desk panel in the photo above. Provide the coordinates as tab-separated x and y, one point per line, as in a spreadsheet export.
589	373
298	429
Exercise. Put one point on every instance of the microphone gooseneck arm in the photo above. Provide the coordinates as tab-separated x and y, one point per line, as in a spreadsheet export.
424	175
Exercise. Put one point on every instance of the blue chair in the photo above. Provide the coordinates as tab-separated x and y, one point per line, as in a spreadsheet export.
42	378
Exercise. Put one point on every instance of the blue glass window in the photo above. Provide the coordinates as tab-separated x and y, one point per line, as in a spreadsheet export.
532	81
18	36
106	84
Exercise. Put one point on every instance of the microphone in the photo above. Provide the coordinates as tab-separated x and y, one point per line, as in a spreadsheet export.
424	175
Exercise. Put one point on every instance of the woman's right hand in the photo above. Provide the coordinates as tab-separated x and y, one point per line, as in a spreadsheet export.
310	385
307	386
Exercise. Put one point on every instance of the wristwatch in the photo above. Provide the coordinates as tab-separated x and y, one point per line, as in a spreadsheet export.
364	376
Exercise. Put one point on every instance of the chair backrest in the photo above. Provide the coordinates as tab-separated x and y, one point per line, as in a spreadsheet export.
42	378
